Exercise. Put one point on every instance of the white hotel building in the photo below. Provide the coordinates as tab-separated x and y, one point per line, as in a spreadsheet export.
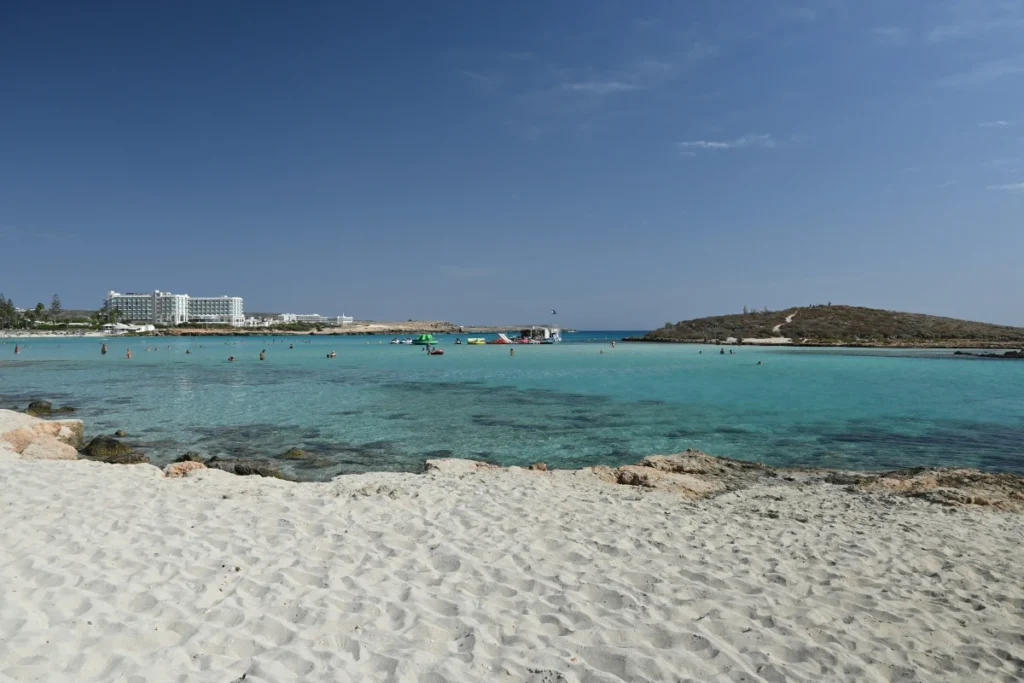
339	320
164	308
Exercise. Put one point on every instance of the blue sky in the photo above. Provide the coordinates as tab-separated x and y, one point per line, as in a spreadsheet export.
624	163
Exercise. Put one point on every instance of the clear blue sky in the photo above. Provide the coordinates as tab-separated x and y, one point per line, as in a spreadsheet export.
484	162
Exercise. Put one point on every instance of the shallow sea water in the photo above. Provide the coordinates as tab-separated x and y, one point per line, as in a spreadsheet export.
385	407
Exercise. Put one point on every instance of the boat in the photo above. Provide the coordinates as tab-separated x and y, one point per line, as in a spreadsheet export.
396	340
502	339
539	335
458	341
476	340
435	352
425	340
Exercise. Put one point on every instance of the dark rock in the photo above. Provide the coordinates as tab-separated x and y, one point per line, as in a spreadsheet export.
37	408
316	464
1008	354
539	467
843	478
262	468
293	454
104	446
190	456
120	433
129	458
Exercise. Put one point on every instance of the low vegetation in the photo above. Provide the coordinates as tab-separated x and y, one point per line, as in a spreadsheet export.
829	324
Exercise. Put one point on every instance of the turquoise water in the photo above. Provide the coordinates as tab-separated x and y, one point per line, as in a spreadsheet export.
384	407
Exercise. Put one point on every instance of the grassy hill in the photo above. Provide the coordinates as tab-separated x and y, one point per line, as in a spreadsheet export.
852	325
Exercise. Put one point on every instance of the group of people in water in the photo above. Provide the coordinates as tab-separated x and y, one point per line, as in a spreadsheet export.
721	352
333	354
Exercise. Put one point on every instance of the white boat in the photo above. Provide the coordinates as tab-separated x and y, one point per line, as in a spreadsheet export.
540	335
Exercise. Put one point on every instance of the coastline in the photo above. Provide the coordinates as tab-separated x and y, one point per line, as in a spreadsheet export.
355	329
474	572
957	344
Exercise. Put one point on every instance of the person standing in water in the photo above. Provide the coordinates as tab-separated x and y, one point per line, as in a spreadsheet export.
128	354
17	349
511	352
263	354
103	349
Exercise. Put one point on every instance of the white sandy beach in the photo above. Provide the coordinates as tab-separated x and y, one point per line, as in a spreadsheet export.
115	573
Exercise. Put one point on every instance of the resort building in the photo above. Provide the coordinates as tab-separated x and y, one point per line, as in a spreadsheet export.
164	308
219	309
316	319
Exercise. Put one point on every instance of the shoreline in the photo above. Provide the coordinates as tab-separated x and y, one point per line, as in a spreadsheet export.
355	329
474	572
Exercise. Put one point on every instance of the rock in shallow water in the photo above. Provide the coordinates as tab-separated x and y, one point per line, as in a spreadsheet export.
120	433
293	454
105	446
40	408
129	458
37	408
262	468
190	456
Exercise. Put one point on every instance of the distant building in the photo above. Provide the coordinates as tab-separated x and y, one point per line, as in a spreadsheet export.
164	308
316	319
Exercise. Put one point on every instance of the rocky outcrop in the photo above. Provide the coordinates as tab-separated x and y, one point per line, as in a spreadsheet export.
120	434
293	454
43	408
183	469
19	430
262	468
659	480
456	466
106	447
695	474
1009	354
190	456
49	448
944	485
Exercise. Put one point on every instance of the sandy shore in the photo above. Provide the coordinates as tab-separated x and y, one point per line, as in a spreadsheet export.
115	573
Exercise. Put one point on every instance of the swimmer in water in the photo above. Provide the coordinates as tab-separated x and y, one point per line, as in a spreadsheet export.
511	352
231	359
128	354
263	354
187	352
758	362
17	349
103	350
